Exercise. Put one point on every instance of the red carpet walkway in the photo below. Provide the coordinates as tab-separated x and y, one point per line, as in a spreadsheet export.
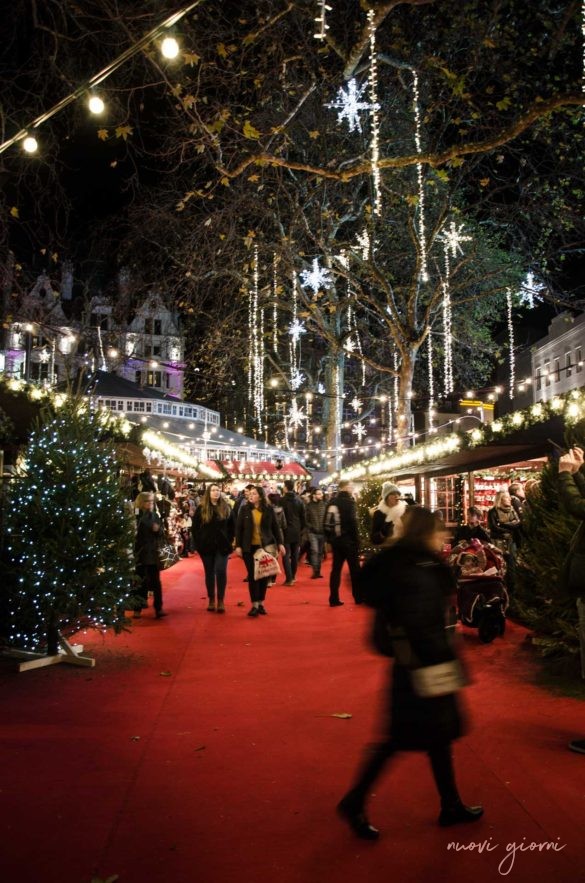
204	749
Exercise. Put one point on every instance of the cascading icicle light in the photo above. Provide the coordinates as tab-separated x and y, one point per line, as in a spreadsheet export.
373	84
424	274
274	306
256	348
321	20
431	379
394	394
451	237
512	355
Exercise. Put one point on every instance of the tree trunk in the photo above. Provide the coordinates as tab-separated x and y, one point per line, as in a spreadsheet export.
404	412
334	409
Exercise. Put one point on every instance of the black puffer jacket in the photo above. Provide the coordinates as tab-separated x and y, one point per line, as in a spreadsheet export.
148	539
413	588
214	537
348	524
294	511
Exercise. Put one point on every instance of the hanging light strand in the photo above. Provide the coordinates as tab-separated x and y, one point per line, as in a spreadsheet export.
447	326
424	275
431	379
512	355
274	306
375	147
321	20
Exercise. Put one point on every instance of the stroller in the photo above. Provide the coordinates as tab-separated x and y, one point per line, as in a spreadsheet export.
482	597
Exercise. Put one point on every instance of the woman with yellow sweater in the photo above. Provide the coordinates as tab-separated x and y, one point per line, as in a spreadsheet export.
257	527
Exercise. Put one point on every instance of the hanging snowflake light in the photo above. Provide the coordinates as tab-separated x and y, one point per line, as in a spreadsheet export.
452	236
350	104
296	416
364	244
349	346
321	389
317	278
530	290
359	430
44	356
356	404
295	329
297	379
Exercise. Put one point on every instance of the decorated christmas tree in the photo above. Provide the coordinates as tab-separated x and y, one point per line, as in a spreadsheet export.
368	499
68	537
547	530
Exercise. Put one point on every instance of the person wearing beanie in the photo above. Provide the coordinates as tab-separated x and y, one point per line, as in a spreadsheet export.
387	518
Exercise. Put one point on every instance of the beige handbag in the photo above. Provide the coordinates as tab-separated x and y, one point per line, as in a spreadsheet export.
438	680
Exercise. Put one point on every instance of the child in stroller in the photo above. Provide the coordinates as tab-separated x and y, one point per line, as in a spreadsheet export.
482	597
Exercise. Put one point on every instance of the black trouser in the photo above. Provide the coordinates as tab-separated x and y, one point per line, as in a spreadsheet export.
441	764
150	576
291	560
256	587
344	551
215	566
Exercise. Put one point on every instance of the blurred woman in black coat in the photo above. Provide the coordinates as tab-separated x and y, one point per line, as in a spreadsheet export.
411	587
146	546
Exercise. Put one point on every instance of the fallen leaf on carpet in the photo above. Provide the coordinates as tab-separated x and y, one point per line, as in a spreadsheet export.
343	715
135	738
165	674
200	748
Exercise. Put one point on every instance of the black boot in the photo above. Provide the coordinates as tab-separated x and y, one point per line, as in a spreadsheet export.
458	814
355	816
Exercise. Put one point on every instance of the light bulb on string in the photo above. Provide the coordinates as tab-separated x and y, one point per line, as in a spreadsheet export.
96	105
169	47
30	144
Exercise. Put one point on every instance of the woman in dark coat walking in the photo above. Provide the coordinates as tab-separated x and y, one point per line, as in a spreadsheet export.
256	528
411	587
213	534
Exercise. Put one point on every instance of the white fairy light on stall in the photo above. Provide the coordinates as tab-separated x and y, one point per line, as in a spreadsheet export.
375	146
349	104
511	355
321	20
424	274
317	278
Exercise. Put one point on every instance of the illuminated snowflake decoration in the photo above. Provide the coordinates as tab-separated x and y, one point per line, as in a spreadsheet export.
44	356
321	389
317	278
530	291
452	236
296	415
356	404
295	329
296	378
359	430
350	104
349	346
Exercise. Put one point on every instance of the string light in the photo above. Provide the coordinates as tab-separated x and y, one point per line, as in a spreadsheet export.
30	144
100	77
375	146
274	306
424	275
511	353
96	105
431	410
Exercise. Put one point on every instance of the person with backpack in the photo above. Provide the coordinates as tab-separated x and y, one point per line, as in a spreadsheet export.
341	532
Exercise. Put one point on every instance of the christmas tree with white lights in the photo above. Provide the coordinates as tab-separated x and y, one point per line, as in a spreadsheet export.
68	537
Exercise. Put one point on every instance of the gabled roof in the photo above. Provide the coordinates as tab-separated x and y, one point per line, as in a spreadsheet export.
106	384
